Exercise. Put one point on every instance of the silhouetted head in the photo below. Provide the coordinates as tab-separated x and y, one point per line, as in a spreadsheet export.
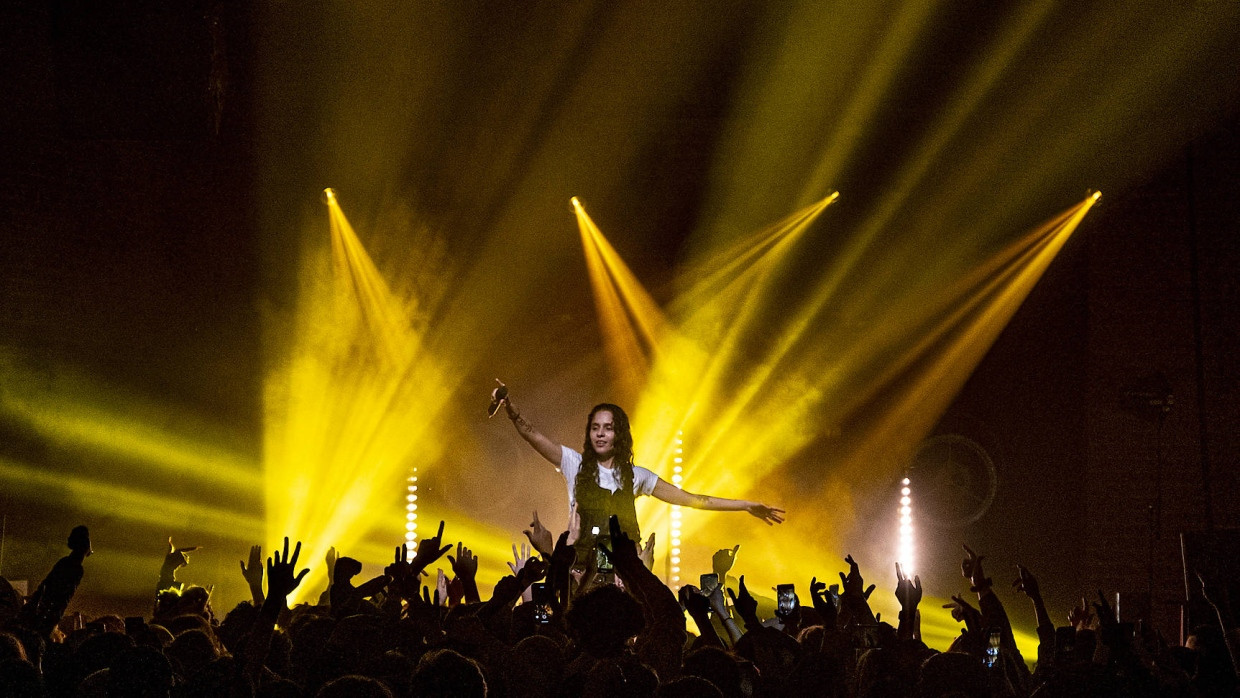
448	673
347	568
79	540
603	620
18	677
953	673
354	686
139	672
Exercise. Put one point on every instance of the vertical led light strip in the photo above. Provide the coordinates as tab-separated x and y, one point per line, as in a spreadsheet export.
905	554
677	479
411	511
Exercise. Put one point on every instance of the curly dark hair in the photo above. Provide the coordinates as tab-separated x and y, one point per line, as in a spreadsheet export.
623	450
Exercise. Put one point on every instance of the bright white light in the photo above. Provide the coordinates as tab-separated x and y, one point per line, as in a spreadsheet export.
904	554
675	561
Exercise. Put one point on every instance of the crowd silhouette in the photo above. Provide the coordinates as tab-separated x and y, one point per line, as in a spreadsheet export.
560	627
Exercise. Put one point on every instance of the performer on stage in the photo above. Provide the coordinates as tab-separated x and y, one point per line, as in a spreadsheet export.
602	479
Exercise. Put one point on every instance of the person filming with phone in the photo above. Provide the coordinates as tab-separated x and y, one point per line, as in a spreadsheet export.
602	479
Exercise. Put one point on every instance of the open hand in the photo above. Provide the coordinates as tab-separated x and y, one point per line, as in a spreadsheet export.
281	580
770	515
519	557
253	573
853	583
647	553
464	565
908	593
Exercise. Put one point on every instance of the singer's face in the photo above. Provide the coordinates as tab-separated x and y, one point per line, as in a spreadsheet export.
603	434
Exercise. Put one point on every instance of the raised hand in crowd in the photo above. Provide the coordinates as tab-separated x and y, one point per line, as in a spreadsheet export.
282	576
746	606
574	525
465	568
405	583
560	570
330	558
647	552
173	561
1080	616
698	608
623	552
964	612
908	593
1112	635
994	617
722	561
406	573
539	537
719	606
826	601
282	580
253	574
971	568
441	587
854	601
1027	584
518	561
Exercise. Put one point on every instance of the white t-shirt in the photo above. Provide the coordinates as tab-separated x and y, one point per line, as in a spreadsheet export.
570	464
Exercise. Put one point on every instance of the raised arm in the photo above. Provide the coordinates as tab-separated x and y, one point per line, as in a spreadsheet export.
674	495
546	447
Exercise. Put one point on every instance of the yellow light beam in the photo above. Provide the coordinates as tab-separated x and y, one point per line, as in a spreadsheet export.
126	503
710	382
352	403
632	322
